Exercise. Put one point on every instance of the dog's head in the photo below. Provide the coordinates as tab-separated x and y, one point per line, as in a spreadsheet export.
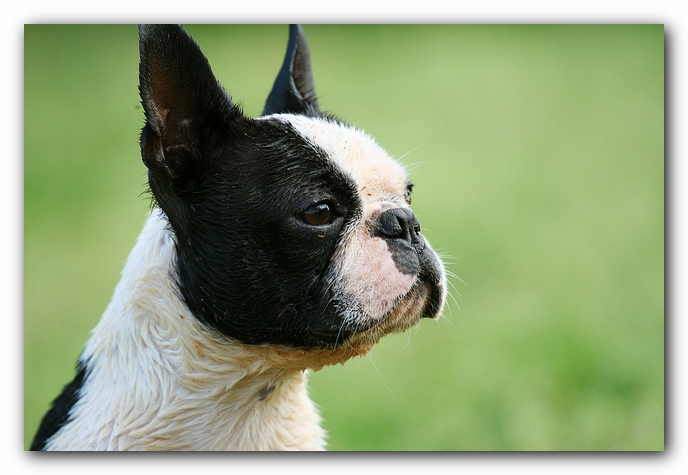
291	229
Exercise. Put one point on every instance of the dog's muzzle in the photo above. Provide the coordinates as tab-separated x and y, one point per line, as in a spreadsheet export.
412	255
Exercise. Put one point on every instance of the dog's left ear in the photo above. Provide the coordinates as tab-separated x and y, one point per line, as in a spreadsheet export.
294	89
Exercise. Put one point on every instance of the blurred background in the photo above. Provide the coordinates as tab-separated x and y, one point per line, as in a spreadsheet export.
538	158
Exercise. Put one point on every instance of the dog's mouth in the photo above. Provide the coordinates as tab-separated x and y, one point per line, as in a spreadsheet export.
424	299
436	295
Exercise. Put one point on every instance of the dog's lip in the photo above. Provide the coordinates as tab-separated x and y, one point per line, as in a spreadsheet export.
434	302
422	300
424	295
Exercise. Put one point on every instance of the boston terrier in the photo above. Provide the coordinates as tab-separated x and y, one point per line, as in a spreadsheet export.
275	245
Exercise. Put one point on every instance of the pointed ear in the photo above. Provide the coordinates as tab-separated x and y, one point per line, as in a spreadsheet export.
183	103
294	89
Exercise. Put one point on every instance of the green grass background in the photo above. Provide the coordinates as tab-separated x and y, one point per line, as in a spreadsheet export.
538	158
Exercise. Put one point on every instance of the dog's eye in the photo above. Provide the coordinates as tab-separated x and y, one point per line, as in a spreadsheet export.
318	215
407	194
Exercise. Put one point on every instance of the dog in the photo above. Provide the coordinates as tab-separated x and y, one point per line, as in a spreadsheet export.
275	245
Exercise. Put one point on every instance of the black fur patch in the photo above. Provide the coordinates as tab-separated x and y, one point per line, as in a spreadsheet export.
58	415
265	392
248	266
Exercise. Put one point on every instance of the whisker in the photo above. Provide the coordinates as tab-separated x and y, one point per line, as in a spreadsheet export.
412	166
408	341
412	150
450	295
446	257
339	333
455	277
378	371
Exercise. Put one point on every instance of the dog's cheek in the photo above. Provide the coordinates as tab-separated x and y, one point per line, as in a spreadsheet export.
370	275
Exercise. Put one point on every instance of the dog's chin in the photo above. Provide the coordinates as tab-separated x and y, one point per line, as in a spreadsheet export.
421	301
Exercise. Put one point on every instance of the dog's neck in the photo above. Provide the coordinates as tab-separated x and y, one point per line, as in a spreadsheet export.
156	379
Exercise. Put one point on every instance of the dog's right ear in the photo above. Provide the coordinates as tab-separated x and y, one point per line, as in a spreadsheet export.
183	103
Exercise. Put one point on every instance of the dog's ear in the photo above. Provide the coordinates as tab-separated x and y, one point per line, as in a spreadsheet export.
183	103
294	89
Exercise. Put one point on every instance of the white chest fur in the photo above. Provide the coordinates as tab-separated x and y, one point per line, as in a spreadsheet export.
157	380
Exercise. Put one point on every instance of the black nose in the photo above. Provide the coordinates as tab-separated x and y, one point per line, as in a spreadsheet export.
401	224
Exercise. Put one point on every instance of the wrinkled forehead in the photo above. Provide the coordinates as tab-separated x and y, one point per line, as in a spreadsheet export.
377	175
